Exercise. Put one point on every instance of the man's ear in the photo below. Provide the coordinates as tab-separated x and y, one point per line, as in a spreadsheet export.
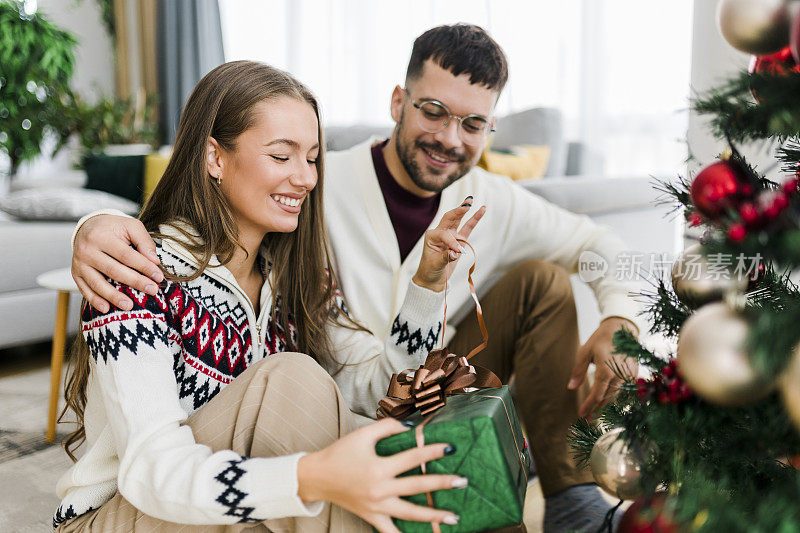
398	99
214	160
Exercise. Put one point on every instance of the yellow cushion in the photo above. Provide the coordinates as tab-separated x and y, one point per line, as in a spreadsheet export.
528	161
154	166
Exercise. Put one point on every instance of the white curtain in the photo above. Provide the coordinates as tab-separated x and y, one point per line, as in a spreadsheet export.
617	69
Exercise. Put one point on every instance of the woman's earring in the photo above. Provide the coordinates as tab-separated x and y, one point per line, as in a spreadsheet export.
219	180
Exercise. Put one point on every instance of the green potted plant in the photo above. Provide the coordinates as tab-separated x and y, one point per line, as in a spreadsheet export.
37	61
111	123
115	135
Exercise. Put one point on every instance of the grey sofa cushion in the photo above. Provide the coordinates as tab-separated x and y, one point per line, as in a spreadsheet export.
30	249
339	138
596	195
540	126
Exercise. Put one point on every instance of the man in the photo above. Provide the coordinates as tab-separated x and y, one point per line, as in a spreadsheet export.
382	196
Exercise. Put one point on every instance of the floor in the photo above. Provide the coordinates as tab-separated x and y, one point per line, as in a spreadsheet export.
30	467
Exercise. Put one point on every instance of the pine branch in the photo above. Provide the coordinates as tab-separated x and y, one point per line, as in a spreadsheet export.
773	315
663	309
627	344
738	117
675	194
582	436
789	155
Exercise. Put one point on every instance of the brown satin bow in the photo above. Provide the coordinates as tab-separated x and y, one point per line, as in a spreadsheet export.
442	375
425	389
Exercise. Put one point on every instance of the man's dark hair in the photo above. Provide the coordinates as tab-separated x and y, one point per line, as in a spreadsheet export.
461	49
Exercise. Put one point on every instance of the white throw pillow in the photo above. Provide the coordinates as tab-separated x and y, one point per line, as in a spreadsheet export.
67	178
62	203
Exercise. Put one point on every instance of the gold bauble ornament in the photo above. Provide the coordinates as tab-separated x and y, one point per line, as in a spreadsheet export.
712	357
696	281
617	467
757	27
790	387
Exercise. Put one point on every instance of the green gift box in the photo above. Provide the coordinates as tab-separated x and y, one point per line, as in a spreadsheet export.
485	430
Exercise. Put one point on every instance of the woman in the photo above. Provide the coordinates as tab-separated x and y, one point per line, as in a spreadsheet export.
197	405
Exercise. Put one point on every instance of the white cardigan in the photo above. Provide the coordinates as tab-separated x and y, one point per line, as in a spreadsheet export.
518	225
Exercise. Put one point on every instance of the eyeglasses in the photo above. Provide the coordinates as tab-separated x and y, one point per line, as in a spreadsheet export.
434	117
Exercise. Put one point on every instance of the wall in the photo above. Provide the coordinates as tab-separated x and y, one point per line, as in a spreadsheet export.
714	60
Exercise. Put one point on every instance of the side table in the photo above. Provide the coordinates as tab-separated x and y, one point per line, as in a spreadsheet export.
61	281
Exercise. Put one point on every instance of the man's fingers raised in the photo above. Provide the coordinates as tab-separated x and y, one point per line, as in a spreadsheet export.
470	224
451	219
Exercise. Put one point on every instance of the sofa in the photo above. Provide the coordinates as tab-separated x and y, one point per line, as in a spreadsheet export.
626	204
27	311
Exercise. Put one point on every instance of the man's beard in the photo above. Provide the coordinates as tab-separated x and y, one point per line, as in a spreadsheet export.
405	151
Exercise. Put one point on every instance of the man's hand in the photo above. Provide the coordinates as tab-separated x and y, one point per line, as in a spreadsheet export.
598	350
441	249
103	247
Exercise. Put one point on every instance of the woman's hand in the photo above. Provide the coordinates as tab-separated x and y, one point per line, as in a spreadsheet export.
441	250
350	474
103	247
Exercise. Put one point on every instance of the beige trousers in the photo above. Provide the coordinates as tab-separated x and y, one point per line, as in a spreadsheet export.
282	405
533	335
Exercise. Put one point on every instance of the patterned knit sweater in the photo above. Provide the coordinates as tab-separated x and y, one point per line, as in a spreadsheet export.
153	366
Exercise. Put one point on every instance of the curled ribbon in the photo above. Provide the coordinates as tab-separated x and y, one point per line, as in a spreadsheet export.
443	374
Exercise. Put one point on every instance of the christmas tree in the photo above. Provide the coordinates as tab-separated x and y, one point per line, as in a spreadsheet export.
710	441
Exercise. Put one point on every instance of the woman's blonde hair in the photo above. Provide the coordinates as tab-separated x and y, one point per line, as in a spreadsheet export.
221	106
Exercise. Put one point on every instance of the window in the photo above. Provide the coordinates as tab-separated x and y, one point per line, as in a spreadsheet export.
617	69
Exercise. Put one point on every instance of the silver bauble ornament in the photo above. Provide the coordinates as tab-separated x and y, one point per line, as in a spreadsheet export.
697	281
758	27
617	467
790	387
712	357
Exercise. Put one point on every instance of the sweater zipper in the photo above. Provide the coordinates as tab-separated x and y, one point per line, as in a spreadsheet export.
249	308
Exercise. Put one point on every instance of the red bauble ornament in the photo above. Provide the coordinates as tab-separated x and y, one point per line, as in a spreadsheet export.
781	201
749	213
694	219
715	188
772	203
778	64
648	515
737	232
666	386
789	187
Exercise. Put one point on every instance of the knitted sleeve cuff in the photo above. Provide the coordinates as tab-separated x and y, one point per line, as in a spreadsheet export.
622	306
422	306
277	477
